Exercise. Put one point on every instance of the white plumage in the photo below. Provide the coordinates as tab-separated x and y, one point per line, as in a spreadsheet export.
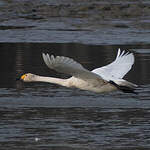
119	67
103	79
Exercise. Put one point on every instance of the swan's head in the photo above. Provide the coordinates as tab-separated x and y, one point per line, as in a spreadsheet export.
28	77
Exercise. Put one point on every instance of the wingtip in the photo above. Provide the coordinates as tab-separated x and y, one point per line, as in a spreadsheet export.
47	56
44	56
122	53
118	54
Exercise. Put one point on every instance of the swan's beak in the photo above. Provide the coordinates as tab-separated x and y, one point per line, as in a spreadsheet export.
22	77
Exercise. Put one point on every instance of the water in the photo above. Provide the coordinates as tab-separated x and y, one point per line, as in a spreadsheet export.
44	116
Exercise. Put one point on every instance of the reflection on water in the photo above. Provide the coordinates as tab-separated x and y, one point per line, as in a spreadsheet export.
45	116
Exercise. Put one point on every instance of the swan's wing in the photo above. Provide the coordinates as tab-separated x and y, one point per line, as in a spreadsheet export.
119	67
69	66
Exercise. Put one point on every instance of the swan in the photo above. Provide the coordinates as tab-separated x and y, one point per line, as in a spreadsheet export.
104	79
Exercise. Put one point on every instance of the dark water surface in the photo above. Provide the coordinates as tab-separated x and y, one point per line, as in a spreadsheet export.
43	116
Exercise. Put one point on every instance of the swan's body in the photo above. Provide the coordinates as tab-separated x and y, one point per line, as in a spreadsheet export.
103	79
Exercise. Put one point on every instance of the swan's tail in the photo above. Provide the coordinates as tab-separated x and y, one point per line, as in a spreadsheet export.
125	86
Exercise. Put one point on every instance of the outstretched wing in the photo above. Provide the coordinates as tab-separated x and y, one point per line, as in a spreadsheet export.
69	66
119	67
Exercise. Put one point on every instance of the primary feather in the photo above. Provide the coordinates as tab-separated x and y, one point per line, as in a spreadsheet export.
119	67
116	70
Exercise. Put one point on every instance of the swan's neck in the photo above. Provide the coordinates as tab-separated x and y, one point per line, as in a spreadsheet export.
63	82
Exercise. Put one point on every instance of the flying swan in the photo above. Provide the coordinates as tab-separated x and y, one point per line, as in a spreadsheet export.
103	79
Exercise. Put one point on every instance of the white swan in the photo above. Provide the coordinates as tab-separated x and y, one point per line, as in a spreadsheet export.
103	79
